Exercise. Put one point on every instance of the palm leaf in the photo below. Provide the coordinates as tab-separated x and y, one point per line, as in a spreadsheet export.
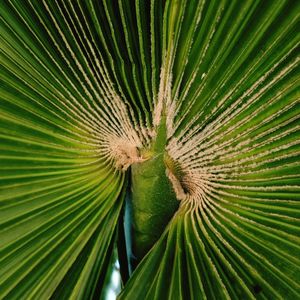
86	87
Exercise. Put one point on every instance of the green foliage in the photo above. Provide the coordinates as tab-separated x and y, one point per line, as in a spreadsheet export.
194	103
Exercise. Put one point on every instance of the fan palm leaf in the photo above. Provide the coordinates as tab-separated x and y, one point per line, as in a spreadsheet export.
187	111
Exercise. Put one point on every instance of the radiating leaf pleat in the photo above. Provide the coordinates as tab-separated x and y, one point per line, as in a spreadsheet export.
235	90
206	255
60	195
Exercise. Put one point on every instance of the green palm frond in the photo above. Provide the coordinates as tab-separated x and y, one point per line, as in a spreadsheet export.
187	111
